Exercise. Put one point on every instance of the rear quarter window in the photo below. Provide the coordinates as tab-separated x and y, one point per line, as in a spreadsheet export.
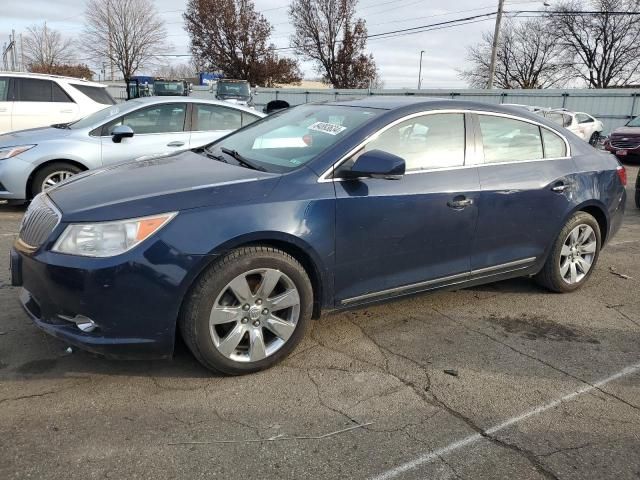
554	145
97	94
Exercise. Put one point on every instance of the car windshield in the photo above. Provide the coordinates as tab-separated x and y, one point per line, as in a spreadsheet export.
287	140
240	89
172	88
102	116
634	123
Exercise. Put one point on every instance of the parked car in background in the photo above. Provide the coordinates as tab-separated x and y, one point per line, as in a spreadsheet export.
234	91
33	160
31	100
529	108
239	244
624	142
582	124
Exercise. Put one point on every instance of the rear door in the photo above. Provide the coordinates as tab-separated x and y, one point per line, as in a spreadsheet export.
526	182
210	122
157	129
398	236
39	103
6	104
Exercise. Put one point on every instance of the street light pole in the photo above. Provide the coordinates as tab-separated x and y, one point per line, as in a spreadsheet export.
420	70
494	49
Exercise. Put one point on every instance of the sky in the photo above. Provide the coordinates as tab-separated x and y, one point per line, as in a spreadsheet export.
397	58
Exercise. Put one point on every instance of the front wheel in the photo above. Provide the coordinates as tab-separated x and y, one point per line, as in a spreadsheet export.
248	311
573	256
51	175
595	138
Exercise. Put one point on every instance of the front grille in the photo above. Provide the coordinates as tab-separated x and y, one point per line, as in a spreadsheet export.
39	221
625	143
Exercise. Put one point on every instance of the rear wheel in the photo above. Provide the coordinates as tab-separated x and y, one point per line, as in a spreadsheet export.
52	174
573	256
248	311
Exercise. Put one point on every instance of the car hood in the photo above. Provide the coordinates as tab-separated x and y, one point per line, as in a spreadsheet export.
155	185
627	131
33	135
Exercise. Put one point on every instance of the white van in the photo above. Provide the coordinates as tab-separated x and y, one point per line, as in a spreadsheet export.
30	100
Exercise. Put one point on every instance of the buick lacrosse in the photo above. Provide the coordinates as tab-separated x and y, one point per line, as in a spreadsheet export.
239	244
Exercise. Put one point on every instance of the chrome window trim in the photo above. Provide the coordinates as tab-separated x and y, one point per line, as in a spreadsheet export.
456	279
325	177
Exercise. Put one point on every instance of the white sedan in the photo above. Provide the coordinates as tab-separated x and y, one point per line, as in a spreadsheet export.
582	124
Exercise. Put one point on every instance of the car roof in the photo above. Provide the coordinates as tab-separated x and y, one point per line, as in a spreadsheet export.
47	76
183	99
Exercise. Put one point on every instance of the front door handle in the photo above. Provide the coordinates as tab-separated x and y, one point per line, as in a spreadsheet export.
459	202
175	144
66	111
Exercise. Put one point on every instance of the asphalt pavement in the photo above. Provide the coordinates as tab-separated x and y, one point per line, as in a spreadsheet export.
502	381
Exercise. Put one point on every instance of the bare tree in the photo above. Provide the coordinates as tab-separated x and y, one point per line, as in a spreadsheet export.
604	48
528	56
327	33
180	70
44	48
232	37
127	33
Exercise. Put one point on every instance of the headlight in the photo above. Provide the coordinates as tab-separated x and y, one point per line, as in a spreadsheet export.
108	239
8	152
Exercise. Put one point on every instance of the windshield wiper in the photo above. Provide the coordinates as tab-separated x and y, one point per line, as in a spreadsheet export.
242	160
62	125
220	158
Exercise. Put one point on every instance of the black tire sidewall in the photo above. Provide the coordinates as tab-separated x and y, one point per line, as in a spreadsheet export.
579	218
38	178
211	288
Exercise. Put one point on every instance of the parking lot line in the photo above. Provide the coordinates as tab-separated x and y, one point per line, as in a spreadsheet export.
429	456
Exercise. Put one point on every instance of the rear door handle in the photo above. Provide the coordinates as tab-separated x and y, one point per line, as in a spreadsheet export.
560	187
175	144
459	202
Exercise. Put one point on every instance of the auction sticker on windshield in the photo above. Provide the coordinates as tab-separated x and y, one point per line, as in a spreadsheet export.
330	128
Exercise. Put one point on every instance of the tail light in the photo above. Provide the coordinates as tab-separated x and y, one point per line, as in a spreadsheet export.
622	175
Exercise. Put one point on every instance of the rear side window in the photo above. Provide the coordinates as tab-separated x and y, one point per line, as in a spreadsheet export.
58	94
4	89
214	117
554	146
426	142
97	94
509	140
33	90
582	118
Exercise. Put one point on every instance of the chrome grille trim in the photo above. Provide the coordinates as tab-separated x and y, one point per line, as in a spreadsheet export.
627	143
40	219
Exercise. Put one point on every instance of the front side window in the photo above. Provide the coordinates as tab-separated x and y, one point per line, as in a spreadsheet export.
509	140
634	123
426	142
4	89
34	90
156	119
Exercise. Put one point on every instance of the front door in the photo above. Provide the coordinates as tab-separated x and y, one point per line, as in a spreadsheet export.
398	236
6	105
158	129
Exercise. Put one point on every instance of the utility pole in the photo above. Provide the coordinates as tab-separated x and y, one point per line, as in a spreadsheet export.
420	70
110	37
494	49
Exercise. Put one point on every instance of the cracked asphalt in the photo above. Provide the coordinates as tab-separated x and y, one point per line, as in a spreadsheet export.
529	393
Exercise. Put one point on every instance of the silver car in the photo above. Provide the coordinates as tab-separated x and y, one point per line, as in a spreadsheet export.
33	160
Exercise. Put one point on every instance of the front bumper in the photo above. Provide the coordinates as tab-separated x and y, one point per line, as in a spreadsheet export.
134	299
630	151
14	174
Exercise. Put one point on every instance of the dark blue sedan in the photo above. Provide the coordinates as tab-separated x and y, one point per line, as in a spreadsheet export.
320	207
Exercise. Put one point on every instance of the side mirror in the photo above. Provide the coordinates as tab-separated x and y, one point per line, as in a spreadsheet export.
120	132
377	164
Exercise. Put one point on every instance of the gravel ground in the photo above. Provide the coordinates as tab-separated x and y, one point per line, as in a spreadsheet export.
540	385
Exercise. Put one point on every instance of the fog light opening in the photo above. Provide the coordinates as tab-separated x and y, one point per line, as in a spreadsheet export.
85	324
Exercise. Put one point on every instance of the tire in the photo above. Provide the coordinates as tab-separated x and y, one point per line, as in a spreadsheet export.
558	276
637	198
61	170
595	138
211	334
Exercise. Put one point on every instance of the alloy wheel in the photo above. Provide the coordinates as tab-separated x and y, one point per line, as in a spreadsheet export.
577	254
55	177
254	315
